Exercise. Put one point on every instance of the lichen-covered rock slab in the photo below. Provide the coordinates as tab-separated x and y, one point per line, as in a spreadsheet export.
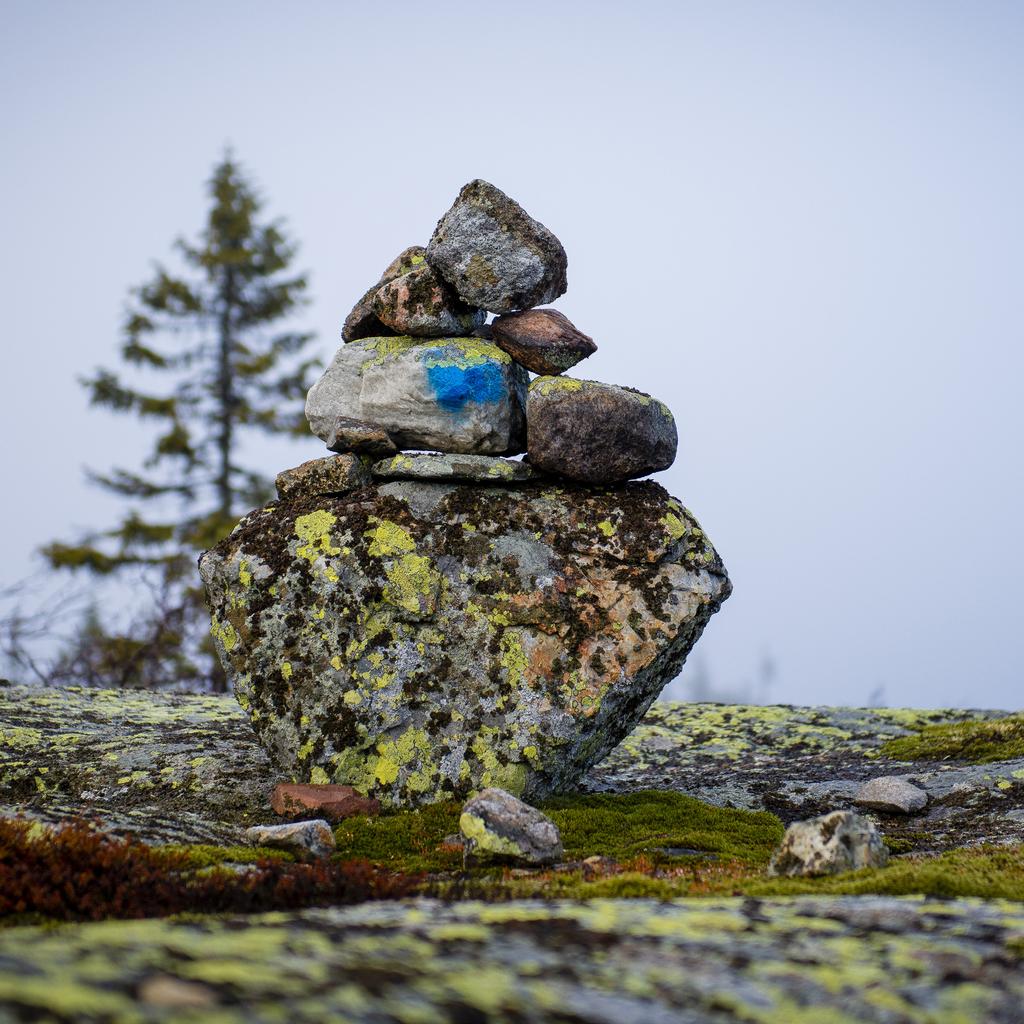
363	321
474	468
419	640
597	433
421	304
871	960
494	254
545	341
458	394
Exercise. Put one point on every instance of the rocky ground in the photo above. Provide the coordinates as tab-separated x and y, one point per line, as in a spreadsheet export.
607	962
186	768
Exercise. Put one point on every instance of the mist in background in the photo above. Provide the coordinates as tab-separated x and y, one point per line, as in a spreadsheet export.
798	224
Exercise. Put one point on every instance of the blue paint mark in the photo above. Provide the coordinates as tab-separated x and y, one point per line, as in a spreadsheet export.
455	386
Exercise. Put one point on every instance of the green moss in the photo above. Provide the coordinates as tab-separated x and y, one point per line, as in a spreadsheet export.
988	872
1016	947
199	855
624	826
1000	739
411	840
648	823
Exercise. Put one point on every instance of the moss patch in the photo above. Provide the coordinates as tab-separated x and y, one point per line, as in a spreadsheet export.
988	872
655	824
973	742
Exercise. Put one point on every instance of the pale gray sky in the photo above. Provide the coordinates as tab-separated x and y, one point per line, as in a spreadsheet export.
799	224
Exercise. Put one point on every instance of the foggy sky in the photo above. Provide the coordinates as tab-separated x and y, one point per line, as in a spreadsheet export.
798	224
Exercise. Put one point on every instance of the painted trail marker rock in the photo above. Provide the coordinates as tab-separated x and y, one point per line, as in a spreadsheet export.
422	640
460	395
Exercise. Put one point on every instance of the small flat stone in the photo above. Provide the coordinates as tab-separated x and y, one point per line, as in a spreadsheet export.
332	802
314	837
828	845
472	468
334	474
597	433
420	304
543	340
359	436
498	827
363	322
891	795
494	254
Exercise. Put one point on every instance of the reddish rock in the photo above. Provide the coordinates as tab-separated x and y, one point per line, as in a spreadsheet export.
542	340
329	801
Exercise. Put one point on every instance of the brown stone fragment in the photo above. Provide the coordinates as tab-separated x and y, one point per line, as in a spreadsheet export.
335	474
543	340
329	801
351	435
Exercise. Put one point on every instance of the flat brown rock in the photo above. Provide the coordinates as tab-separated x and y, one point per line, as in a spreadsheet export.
543	340
331	801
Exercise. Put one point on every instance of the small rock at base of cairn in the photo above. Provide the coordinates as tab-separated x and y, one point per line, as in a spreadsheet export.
543	340
334	474
349	435
483	469
597	433
828	845
312	837
500	828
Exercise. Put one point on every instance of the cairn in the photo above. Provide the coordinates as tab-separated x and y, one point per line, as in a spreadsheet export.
421	615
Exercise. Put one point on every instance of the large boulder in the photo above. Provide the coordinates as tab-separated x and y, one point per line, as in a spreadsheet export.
494	254
458	394
597	433
420	640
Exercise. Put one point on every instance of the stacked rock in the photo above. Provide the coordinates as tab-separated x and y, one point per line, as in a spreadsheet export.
420	616
420	369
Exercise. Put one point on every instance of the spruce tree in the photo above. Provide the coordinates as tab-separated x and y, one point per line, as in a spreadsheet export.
217	335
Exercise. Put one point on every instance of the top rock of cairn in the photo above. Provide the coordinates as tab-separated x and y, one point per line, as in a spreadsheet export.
421	625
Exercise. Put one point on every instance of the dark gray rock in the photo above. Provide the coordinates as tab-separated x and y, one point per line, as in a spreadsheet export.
543	340
494	254
359	436
597	433
363	321
471	468
334	474
827	845
498	827
422	305
891	794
